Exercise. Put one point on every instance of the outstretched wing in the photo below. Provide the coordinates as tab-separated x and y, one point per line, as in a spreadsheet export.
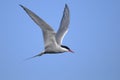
48	32
63	25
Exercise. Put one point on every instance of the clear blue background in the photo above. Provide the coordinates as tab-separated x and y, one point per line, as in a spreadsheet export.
94	36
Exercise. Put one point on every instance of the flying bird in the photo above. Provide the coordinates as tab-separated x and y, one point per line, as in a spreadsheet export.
52	40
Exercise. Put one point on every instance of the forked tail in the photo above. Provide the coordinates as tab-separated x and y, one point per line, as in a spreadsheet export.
35	56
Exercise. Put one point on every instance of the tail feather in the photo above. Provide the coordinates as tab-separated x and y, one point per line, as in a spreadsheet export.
35	56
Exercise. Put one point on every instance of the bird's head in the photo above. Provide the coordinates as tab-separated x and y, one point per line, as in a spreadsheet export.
69	50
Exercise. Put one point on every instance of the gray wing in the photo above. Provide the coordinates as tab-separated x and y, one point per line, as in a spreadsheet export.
63	25
48	32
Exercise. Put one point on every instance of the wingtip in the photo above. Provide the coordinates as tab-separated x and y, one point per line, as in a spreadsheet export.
66	9
22	6
66	5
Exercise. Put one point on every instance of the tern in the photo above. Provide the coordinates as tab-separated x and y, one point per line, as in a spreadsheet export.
52	40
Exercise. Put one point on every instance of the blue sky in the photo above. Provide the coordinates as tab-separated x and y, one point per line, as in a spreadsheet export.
94	36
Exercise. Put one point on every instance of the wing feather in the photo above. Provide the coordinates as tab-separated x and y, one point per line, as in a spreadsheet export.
48	32
63	25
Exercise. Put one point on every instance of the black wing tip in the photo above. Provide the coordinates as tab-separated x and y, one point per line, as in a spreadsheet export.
66	7
22	6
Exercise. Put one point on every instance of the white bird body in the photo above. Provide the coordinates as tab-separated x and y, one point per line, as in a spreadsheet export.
52	40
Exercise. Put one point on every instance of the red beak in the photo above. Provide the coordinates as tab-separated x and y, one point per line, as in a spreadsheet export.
71	51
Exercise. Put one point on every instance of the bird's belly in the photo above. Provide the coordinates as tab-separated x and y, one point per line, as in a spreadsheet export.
54	50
